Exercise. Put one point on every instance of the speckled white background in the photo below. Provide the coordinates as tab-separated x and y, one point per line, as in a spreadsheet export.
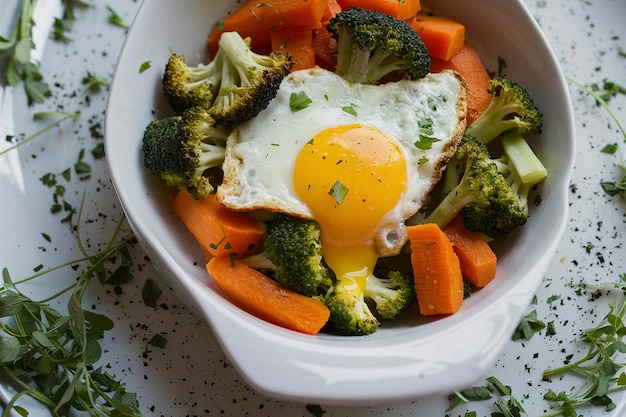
191	376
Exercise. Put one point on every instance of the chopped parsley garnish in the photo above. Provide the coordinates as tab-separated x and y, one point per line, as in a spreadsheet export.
145	66
150	293
158	341
350	109
528	326
506	404
92	82
62	26
116	19
613	188
425	141
339	192
299	101
82	167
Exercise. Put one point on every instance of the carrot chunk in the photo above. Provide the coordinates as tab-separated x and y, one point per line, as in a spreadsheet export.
443	37
469	65
436	270
219	231
324	44
332	9
256	19
265	298
325	47
477	259
402	10
296	41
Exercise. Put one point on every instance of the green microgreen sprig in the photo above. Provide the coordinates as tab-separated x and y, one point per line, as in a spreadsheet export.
602	96
506	403
93	83
600	368
50	356
528	326
116	19
64	24
20	65
64	116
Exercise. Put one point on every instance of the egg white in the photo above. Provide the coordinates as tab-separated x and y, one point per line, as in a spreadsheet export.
260	154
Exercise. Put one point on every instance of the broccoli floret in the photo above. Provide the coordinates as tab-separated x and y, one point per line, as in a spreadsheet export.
371	45
492	194
187	86
235	86
179	149
293	252
482	194
347	299
198	120
249	80
391	295
293	257
511	108
349	313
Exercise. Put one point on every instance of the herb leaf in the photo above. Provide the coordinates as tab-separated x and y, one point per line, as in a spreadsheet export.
600	368
158	341
116	19
150	293
528	326
425	141
299	101
350	109
92	82
339	192
145	66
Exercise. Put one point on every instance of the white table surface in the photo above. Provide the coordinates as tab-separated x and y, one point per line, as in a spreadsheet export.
191	376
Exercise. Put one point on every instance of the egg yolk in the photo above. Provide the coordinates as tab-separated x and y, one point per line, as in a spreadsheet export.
350	176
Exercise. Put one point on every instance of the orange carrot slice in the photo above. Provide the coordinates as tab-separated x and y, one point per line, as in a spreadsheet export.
400	9
325	46
265	298
324	43
256	19
436	269
469	65
332	9
296	41
477	259
443	37
219	231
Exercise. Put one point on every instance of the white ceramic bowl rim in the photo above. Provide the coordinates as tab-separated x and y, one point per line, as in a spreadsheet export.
399	362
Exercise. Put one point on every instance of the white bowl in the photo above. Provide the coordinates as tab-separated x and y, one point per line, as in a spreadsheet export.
408	358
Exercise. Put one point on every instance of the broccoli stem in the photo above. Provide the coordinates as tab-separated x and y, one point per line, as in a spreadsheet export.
241	59
450	178
526	164
493	122
451	205
259	261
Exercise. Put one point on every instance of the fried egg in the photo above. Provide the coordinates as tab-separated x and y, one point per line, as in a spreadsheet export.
359	159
